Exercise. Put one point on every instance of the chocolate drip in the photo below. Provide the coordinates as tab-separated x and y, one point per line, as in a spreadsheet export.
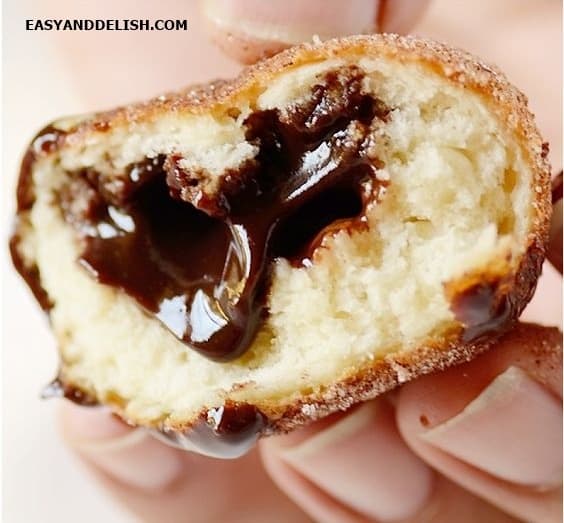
58	389
483	311
29	272
225	432
486	309
45	142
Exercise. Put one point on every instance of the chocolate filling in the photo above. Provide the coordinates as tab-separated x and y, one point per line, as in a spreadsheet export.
484	310
202	266
45	142
228	431
59	389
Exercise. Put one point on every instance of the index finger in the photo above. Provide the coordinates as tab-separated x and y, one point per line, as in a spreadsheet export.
248	30
160	483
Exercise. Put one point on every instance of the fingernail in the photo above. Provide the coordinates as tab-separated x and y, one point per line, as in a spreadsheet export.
512	430
362	461
298	21
128	455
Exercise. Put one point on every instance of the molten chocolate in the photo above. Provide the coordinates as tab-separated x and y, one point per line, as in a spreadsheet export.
59	389
483	311
45	142
225	432
202	267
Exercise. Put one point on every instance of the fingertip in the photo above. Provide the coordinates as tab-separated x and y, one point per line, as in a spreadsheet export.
128	455
308	496
511	430
357	460
247	30
80	424
400	16
494	425
242	47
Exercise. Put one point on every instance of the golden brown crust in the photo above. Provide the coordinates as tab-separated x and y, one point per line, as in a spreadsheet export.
459	67
387	374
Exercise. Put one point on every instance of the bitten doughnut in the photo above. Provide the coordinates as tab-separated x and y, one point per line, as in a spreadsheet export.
242	257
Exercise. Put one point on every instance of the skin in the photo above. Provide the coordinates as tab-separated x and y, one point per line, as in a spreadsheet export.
382	468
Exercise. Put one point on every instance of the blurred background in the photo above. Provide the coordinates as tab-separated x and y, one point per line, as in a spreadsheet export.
47	75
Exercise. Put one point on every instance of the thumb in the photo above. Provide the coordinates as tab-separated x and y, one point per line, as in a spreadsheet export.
494	425
129	456
355	467
248	30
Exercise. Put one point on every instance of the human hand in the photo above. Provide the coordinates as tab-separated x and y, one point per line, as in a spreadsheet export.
475	443
394	458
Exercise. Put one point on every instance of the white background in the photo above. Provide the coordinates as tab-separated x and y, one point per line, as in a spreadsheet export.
42	482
